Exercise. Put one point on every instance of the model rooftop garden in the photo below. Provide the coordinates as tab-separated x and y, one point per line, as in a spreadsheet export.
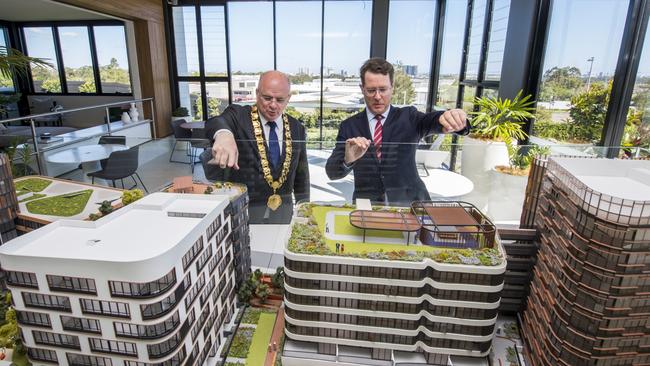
51	198
462	236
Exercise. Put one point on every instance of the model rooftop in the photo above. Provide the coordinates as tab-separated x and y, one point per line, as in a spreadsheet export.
625	179
140	231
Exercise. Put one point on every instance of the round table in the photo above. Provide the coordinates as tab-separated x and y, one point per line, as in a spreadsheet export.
87	156
447	184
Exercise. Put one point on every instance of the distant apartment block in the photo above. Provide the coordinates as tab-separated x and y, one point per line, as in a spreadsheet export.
590	296
150	284
396	286
8	201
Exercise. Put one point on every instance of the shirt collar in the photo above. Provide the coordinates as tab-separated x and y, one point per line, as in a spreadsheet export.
371	116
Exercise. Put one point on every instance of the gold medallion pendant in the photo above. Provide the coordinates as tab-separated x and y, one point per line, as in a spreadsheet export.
274	202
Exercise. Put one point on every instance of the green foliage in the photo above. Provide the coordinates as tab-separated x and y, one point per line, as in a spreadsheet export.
241	342
180	112
105	208
560	83
252	315
588	110
131	196
262	292
12	60
403	90
522	156
502	119
214	107
9	330
32	184
88	86
208	190
300	78
278	278
51	85
34	196
94	217
64	205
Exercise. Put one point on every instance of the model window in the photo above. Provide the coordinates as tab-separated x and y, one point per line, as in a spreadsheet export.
192	253
46	301
108	308
74	284
33	318
147	289
22	279
39	354
191	296
115	347
163	349
162	307
56	339
85	360
147	331
176	360
80	324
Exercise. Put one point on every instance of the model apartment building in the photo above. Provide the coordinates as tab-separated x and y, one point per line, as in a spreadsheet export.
391	286
590	296
149	284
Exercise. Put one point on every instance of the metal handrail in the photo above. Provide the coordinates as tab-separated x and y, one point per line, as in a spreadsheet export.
63	111
32	126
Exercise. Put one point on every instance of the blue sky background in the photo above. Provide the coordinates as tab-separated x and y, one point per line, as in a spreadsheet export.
579	29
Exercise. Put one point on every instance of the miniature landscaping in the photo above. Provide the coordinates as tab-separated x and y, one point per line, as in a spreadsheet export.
24	186
310	238
64	205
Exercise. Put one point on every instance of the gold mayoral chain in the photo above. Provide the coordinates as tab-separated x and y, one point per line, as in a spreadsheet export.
274	200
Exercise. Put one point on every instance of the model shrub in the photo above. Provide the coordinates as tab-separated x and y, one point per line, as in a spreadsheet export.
131	196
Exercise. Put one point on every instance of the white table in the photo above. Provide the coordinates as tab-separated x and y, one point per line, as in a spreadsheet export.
442	183
87	156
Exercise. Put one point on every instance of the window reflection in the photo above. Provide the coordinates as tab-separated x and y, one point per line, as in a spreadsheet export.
637	132
581	54
214	40
112	59
498	28
190	96
475	39
185	40
6	83
452	50
411	23
40	43
75	49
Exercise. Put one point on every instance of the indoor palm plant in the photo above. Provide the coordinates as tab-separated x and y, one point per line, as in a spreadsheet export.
496	127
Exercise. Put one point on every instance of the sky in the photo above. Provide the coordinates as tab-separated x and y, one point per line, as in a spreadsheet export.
579	29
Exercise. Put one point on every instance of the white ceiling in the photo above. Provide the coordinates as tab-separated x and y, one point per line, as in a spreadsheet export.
44	10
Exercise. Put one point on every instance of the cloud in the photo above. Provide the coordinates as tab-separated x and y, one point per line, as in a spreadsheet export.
70	34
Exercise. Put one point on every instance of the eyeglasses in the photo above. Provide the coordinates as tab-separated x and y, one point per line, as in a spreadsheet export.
269	99
372	91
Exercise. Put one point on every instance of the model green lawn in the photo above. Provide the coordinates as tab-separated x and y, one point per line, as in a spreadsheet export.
253	347
24	186
342	226
64	205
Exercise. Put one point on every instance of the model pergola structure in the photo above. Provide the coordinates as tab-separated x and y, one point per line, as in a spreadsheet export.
440	223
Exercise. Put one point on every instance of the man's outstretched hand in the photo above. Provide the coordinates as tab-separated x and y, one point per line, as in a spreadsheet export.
355	148
224	151
453	120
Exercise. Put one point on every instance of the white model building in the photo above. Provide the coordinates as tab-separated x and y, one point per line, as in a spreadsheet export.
150	284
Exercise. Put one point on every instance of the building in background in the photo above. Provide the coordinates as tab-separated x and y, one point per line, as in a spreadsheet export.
151	283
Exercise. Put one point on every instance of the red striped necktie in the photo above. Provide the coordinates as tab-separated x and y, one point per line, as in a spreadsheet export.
378	136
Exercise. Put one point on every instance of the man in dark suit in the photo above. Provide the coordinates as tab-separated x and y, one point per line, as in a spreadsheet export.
265	149
379	143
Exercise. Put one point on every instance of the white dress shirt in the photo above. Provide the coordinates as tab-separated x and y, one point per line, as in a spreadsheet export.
372	122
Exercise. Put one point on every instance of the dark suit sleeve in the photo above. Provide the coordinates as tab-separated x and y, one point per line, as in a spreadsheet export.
226	120
301	181
335	166
428	123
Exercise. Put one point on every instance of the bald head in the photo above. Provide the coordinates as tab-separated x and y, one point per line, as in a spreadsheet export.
273	93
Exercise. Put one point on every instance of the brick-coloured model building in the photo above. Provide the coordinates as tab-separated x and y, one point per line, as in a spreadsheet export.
8	201
590	296
373	296
150	284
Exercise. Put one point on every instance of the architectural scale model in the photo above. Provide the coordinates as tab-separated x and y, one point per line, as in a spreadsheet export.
8	201
238	212
361	288
150	284
590	296
43	200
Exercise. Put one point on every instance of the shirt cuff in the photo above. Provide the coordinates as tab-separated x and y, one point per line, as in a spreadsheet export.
222	131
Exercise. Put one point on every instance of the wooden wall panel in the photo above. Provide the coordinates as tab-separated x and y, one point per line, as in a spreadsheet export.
151	48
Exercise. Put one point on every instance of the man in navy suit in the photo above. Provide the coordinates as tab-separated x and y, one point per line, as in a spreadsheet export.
379	143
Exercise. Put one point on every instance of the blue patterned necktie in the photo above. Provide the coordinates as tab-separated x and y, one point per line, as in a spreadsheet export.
274	145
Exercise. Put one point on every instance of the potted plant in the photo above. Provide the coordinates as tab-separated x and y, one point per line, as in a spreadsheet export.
496	126
180	113
13	61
